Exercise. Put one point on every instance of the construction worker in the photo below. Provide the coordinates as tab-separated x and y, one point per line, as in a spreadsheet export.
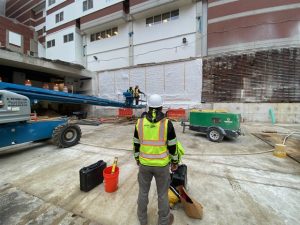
129	96
136	94
130	90
154	150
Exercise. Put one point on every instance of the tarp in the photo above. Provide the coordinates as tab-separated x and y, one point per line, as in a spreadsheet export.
179	83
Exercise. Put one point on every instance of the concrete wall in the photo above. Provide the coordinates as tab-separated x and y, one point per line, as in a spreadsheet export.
287	113
259	112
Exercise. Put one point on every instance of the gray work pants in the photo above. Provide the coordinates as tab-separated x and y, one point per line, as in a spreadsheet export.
162	179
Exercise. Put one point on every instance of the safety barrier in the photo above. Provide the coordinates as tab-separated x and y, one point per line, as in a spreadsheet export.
124	112
176	114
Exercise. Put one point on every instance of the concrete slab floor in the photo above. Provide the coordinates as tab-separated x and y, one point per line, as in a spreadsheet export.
40	183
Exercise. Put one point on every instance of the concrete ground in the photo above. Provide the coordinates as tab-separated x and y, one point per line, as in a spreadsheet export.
237	182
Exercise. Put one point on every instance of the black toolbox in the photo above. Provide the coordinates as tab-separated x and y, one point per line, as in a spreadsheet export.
179	177
91	176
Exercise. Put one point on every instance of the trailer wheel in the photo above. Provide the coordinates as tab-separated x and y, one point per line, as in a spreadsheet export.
215	135
66	135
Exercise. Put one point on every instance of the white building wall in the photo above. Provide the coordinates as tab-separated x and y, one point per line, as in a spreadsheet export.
65	51
110	52
78	47
75	11
41	51
163	42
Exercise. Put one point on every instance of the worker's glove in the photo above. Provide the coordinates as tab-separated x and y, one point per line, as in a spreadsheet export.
174	167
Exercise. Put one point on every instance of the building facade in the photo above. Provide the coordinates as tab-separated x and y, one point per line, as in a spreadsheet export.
111	34
244	25
103	35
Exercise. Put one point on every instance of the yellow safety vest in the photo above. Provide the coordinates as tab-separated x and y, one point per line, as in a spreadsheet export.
153	142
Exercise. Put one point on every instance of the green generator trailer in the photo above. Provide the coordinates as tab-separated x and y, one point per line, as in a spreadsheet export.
216	125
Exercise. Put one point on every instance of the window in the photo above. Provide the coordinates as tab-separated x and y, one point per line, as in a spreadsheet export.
50	2
166	17
157	19
108	33
88	4
93	37
51	43
14	38
162	18
68	37
175	14
114	31
59	17
149	21
104	34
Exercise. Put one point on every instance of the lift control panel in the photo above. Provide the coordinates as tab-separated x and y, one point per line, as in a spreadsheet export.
13	107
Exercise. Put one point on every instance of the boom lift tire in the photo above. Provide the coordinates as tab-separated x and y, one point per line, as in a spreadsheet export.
66	135
215	135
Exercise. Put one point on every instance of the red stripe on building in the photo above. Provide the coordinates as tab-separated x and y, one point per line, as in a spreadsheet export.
63	26
136	2
244	6
42	39
103	12
38	15
24	17
60	6
275	25
16	6
9	3
40	21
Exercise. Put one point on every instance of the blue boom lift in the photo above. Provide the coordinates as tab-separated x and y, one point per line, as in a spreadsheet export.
15	108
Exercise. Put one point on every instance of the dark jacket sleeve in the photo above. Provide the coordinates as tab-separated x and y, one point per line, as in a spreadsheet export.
171	136
136	146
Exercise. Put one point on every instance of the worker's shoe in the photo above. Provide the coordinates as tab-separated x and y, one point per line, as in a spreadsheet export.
171	219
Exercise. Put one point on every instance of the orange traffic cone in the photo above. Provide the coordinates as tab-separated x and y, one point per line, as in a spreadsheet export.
46	86
55	87
27	83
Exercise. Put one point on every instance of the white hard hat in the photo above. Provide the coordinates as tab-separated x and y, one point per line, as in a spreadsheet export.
155	101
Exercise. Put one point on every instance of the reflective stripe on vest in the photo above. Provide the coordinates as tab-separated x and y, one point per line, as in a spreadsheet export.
172	142
136	141
154	156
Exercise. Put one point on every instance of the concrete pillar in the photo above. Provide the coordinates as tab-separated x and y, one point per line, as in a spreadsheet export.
198	24
130	34
204	28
